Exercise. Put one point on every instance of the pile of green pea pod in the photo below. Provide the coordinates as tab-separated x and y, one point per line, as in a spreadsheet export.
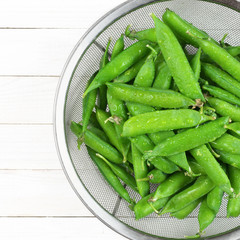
173	120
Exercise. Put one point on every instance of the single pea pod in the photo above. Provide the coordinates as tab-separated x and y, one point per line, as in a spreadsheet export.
99	133
88	104
121	173
233	50
97	144
181	27
235	127
196	64
150	96
224	108
140	171
212	168
228	158
159	121
109	176
233	207
158	137
138	108
214	199
221	78
205	216
190	139
119	64
222	94
155	176
183	213
118	47
171	185
201	187
227	143
143	208
177	61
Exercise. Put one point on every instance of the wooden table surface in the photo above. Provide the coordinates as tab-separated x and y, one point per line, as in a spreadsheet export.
36	200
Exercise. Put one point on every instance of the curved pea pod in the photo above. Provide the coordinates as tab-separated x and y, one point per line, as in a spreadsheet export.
150	96
143	208
121	173
138	108
227	143
221	78
181	26
231	159
119	64
214	199
222	94
201	187
196	64
235	127
159	121
88	104
190	139
177	61
140	171
212	168
233	208
154	176
118	47
146	34
163	78
225	109
183	213
171	185
109	176
205	216
97	144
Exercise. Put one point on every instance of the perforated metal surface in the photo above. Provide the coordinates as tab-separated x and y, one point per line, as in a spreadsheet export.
211	17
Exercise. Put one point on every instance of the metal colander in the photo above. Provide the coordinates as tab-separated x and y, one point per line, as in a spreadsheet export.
215	17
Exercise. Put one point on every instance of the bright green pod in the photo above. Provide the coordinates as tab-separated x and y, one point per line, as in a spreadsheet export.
143	208
225	109
177	61
214	199
159	121
98	132
196	168
222	94
154	176
235	127
158	137
118	47
150	96
196	64
231	159
190	139
138	108
212	168
227	143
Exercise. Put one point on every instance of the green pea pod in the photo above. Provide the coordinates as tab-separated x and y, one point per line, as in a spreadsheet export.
214	199
154	176
143	143
140	171
183	213
181	27
205	216
119	64
222	94
177	61
196	64
121	173
138	108
130	73
190	139
227	143
98	132
150	96
225	109
196	168
171	185
88	105
109	176
143	208
201	187
163	78
231	159
221	78
93	121
158	137
97	144
233	50
118	47
158	121
119	115
212	168
235	127
233	208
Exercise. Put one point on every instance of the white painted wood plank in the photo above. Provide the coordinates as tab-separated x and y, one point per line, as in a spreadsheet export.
55	229
36	51
53	13
38	193
28	147
27	99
